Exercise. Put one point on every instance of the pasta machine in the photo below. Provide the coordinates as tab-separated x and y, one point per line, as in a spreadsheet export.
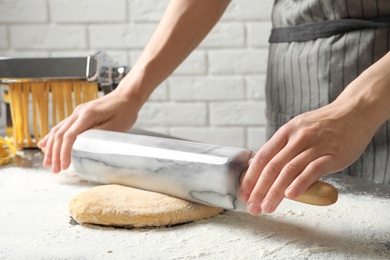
40	92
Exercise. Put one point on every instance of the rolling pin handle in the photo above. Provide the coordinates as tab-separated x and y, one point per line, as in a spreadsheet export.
319	194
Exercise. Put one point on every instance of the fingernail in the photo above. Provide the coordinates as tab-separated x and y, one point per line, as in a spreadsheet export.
55	169
253	209
289	193
266	206
243	195
64	166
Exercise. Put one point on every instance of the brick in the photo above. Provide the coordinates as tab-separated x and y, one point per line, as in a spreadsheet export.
245	61
256	138
225	35
237	113
147	10
172	114
258	34
25	54
224	136
120	36
23	11
245	10
255	86
66	11
192	88
3	37
48	37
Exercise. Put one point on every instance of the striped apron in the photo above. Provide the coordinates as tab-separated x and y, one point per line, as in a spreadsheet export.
317	47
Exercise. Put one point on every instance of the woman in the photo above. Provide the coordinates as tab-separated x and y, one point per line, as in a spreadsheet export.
327	93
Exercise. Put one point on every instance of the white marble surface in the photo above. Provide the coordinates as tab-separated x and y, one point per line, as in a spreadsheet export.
198	172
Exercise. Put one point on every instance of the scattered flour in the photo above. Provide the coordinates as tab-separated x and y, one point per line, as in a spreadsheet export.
35	224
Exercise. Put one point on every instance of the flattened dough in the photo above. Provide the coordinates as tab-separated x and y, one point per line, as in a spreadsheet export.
116	205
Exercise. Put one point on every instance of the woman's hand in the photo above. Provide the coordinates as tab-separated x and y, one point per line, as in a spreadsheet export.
308	147
319	142
111	112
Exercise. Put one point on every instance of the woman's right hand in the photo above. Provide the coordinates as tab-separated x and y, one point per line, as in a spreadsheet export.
111	112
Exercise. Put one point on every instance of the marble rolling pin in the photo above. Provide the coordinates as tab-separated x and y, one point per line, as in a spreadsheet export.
203	173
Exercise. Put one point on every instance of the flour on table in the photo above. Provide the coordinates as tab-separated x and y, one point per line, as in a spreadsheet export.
34	217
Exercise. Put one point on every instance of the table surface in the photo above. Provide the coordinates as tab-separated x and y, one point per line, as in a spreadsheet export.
36	224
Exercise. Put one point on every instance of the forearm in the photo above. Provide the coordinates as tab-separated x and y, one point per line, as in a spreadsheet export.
184	25
370	92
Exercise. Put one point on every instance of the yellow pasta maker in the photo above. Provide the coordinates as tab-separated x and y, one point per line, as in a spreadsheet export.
40	92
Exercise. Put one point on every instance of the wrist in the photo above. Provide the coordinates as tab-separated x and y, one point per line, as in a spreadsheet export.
135	88
369	94
376	95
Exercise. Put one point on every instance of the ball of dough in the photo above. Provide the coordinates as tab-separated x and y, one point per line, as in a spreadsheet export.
116	205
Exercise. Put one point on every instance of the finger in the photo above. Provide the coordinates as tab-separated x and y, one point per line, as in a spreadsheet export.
49	147
270	173
42	143
289	173
79	125
257	164
313	172
267	177
54	144
250	161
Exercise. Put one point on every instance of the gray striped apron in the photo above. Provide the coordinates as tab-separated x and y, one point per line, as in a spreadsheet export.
317	47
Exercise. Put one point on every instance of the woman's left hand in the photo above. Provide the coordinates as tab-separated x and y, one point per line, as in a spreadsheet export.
312	145
308	147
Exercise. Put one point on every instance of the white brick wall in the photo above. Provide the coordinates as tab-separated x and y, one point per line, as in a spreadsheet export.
207	88
88	11
48	37
215	96
23	11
